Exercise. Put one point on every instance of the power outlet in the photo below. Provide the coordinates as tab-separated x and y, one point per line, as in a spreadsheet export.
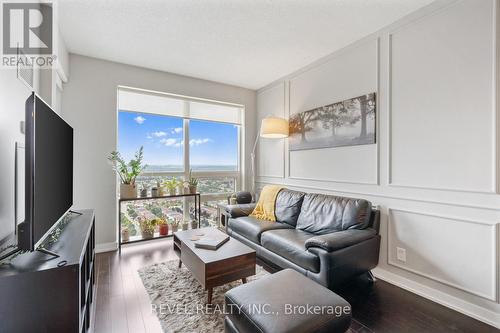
401	254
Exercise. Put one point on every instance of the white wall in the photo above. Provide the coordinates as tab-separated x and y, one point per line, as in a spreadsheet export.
89	105
433	171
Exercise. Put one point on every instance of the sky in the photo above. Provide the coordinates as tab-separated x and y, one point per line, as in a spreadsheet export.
211	143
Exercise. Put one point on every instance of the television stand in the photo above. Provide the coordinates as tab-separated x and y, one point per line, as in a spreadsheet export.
41	249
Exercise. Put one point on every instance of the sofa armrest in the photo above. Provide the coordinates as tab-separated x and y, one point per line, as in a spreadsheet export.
234	211
341	239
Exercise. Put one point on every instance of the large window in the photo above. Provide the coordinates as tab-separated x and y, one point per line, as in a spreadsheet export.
181	134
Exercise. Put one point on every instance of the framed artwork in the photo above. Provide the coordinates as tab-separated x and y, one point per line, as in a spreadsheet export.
348	123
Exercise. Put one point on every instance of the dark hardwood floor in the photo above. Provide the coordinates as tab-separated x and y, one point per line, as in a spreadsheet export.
123	305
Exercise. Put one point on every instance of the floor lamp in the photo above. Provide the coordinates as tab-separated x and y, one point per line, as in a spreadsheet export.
273	128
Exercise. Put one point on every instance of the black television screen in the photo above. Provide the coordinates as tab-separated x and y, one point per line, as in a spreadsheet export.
49	170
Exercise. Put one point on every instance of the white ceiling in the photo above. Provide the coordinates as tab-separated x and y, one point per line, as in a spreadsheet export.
248	43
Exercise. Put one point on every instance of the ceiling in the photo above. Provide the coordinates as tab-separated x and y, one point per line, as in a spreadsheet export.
248	43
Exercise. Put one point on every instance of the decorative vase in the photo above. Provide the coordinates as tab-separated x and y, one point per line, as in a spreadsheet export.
194	224
174	228
128	191
144	192
125	235
163	229
192	189
147	234
185	226
154	192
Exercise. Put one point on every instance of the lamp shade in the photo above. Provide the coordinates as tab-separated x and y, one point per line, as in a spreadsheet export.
274	127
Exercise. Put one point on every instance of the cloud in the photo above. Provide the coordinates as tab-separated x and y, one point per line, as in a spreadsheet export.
177	130
171	142
140	120
197	142
159	134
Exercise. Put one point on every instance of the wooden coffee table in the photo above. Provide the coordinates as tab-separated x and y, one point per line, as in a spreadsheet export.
230	262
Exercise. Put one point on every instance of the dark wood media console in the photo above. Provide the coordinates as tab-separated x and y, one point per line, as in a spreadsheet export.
40	293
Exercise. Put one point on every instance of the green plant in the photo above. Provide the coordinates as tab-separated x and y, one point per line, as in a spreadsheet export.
147	226
192	180
128	172
171	184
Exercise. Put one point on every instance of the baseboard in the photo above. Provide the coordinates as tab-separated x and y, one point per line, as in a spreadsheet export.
469	309
106	247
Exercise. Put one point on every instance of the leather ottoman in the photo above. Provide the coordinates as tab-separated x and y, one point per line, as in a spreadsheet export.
285	302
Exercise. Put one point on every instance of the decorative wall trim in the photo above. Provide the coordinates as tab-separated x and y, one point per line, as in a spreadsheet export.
361	193
495	186
377	119
439	297
494	263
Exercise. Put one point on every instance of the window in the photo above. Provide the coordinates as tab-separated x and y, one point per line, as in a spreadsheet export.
180	134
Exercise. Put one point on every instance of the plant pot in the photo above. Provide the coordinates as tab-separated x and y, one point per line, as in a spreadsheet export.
185	226
171	191
192	189
154	192
186	190
161	192
125	235
194	224
163	228
174	228
147	234
128	191
144	193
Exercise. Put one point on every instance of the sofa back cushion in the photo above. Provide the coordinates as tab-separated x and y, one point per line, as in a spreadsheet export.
322	214
288	204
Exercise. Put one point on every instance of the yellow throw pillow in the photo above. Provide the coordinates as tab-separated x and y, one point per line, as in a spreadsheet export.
264	210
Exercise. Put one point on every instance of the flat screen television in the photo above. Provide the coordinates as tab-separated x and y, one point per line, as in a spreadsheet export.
49	172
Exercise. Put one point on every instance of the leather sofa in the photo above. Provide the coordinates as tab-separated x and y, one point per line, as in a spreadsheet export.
329	239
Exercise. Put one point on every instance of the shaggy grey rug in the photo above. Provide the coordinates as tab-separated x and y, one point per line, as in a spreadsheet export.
180	302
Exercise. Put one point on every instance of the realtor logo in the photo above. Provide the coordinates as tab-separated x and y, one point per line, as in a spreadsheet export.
27	26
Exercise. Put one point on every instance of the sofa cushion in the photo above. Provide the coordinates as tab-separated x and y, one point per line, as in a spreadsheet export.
252	228
290	244
322	214
288	203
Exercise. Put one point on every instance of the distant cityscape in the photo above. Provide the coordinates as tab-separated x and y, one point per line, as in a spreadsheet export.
180	168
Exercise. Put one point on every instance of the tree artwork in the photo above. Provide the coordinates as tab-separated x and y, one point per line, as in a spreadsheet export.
347	123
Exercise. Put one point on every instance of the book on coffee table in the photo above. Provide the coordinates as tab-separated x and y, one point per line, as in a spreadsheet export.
210	243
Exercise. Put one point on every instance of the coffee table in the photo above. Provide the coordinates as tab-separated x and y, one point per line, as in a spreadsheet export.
230	262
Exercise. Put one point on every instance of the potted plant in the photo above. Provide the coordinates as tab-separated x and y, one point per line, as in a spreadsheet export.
154	192
163	227
180	187
125	234
192	183
185	225
174	223
128	172
171	185
160	188
147	227
144	192
194	224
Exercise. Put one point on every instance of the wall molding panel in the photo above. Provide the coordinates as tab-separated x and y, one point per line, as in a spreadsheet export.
453	223
434	23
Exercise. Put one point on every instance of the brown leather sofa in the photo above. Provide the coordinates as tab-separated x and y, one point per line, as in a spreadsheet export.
329	239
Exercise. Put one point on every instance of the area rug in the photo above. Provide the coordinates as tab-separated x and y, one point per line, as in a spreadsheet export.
179	301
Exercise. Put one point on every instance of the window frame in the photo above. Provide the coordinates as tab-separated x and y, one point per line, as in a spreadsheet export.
237	175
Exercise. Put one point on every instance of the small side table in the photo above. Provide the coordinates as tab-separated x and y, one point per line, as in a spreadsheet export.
221	216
